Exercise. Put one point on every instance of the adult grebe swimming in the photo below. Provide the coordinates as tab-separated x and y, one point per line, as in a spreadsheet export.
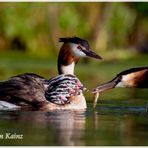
43	94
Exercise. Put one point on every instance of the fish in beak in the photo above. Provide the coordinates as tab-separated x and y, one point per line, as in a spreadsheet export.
104	87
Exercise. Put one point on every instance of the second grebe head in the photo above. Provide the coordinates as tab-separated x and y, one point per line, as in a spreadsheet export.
71	51
132	78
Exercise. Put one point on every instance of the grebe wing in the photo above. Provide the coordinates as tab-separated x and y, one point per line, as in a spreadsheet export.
26	87
62	87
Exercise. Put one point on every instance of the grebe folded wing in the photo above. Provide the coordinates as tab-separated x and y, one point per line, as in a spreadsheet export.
27	88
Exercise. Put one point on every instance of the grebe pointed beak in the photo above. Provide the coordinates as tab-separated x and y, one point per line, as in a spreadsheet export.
105	87
92	54
109	85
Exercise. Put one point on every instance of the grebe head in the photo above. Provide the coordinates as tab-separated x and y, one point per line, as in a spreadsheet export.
72	50
131	78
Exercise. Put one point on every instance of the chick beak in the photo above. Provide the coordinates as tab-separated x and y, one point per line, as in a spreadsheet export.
92	54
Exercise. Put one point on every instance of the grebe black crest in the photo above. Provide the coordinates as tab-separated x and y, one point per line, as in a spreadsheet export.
75	40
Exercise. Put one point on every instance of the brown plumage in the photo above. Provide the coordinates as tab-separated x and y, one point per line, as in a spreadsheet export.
66	57
30	86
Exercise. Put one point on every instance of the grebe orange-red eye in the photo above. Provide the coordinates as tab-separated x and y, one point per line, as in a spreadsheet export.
79	47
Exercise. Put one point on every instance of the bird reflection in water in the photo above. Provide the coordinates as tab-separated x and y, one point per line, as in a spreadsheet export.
70	127
61	127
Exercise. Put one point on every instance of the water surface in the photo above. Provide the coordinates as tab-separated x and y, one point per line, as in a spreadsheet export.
112	122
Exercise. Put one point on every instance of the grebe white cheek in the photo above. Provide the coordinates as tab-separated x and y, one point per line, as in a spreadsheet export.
76	51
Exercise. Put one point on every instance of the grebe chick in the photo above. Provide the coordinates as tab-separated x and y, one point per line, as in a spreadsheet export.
62	87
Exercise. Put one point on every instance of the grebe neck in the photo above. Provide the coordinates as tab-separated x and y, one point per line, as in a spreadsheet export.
66	60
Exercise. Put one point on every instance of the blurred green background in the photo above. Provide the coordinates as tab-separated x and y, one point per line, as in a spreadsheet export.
118	31
34	28
29	35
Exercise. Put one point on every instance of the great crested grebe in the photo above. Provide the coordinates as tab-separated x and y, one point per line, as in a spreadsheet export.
61	92
132	78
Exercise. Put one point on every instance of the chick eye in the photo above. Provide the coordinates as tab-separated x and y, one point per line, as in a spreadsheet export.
79	47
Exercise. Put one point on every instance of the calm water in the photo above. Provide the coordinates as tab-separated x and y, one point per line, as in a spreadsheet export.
115	121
